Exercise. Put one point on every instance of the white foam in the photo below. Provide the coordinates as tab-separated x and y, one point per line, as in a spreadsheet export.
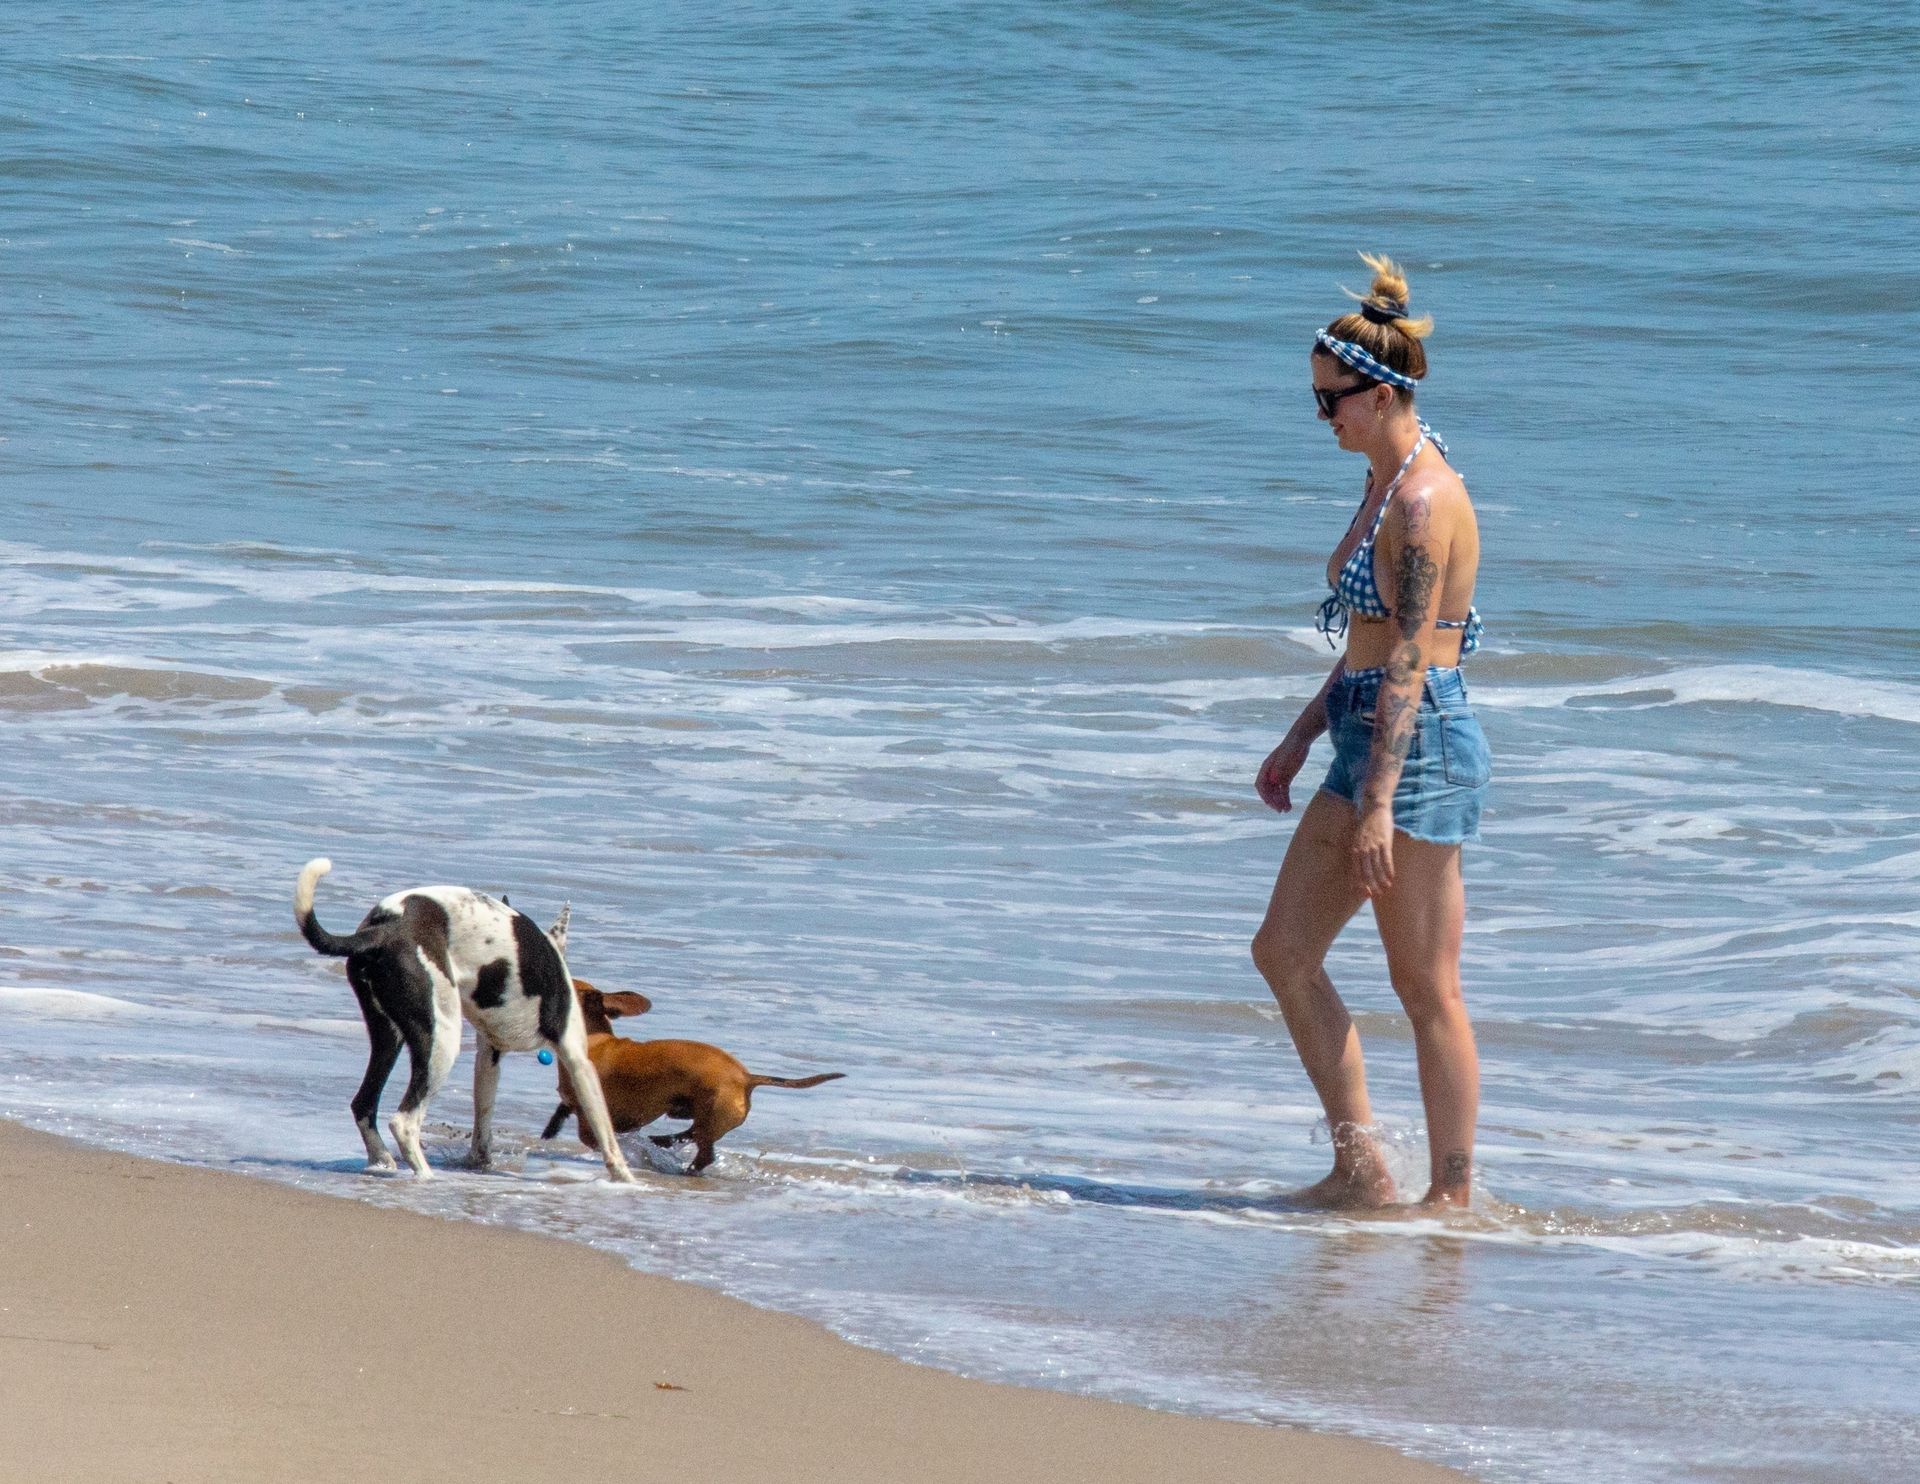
66	1004
96	575
745	633
33	1002
1759	685
1756	1257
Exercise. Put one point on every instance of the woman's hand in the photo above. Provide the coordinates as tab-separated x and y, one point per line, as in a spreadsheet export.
1373	848
1278	771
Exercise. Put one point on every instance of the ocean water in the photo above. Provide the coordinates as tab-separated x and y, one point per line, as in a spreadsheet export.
832	493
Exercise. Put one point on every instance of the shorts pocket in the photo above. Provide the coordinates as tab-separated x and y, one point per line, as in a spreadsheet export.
1465	757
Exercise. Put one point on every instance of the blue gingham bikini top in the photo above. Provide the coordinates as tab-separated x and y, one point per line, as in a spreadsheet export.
1354	589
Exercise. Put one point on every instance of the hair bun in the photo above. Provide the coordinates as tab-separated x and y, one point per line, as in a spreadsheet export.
1380	329
1385	302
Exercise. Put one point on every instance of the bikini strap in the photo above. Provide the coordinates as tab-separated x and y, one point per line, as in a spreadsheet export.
1380	515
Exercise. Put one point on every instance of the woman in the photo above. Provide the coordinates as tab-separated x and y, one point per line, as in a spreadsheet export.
1410	765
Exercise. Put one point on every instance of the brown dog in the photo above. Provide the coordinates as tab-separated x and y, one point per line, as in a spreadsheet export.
645	1080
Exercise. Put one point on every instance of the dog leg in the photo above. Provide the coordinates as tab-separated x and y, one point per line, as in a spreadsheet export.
486	1082
572	1051
384	1050
554	1124
715	1117
433	1057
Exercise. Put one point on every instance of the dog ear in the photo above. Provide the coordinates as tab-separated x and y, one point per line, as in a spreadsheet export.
626	1002
557	934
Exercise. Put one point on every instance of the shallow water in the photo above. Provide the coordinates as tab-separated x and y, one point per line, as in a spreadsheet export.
835	497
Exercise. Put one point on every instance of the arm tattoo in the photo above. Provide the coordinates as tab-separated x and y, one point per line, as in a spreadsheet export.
1418	577
1394	727
1394	720
1396	715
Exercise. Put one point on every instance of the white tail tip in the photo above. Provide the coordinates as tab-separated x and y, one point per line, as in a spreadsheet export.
310	873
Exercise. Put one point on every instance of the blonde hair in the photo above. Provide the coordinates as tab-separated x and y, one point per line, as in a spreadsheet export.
1396	343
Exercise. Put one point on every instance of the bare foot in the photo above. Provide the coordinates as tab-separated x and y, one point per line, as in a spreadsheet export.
1437	1201
1365	1187
1452	1185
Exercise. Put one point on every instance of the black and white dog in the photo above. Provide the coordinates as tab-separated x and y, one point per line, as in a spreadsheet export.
420	960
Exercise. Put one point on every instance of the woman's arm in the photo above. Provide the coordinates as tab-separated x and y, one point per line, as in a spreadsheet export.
1419	562
1277	772
1312	720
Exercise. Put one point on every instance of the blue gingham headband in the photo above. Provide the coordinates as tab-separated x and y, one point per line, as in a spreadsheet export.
1356	356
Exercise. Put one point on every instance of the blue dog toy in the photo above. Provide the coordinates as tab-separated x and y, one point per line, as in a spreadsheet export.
546	1057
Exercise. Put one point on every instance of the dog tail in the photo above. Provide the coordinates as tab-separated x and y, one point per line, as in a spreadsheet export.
755	1081
560	1115
310	929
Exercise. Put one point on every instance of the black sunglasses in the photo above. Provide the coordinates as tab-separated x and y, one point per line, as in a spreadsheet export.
1329	399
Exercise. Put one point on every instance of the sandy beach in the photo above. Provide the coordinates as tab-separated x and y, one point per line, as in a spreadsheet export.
159	1322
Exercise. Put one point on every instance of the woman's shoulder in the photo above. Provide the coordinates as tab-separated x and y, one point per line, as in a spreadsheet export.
1430	497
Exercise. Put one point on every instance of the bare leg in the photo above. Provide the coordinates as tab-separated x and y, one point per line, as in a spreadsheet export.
1421	922
1314	897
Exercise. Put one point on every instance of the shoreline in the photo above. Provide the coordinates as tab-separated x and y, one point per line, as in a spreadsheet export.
163	1321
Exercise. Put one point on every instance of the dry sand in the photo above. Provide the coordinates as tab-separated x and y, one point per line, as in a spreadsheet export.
172	1325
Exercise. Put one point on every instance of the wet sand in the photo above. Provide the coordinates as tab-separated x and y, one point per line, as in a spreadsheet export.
159	1322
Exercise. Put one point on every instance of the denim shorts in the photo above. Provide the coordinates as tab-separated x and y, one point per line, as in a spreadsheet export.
1444	781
